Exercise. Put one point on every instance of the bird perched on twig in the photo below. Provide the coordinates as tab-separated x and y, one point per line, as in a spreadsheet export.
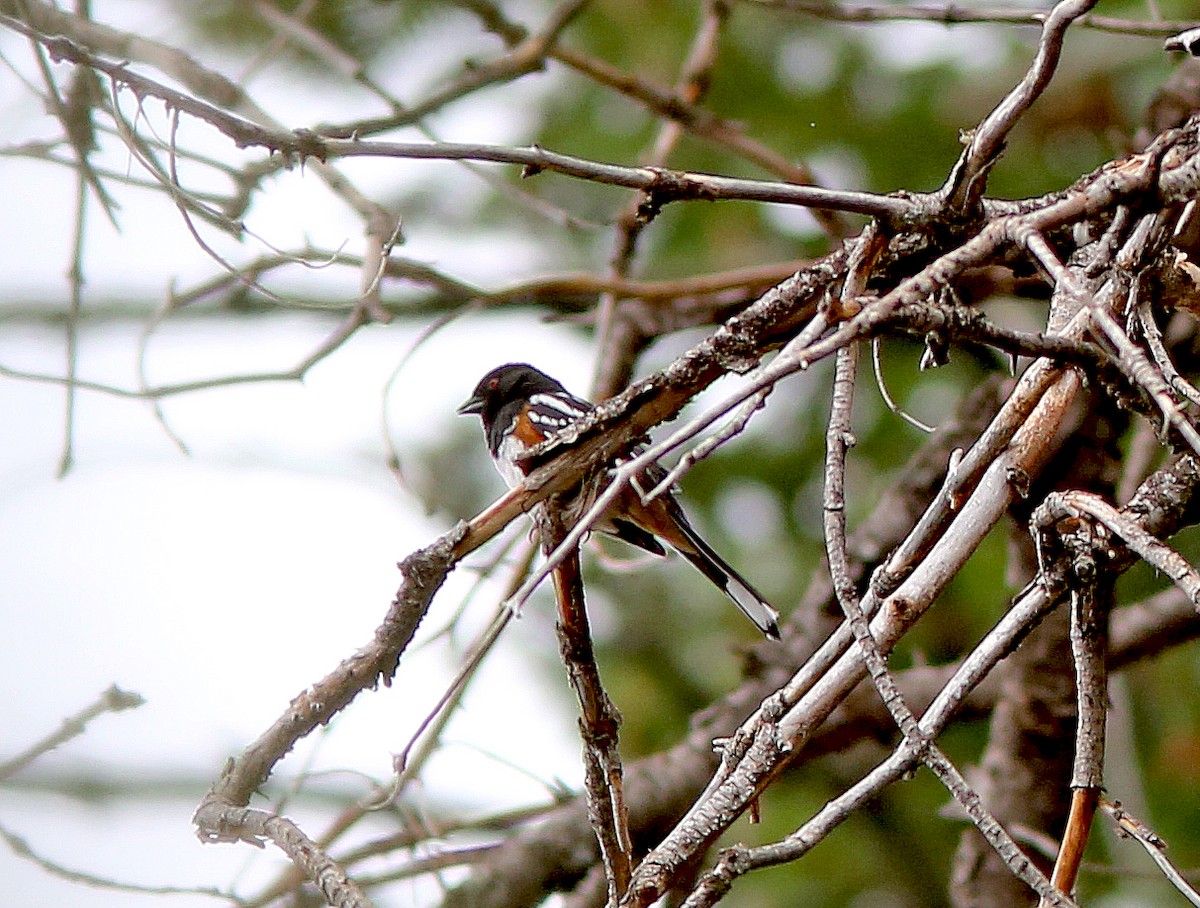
520	406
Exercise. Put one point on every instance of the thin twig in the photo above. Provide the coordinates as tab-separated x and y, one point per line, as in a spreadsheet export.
889	402
967	180
955	14
1155	846
18	846
112	700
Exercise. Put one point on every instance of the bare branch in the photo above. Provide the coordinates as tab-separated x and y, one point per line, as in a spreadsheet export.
952	14
111	701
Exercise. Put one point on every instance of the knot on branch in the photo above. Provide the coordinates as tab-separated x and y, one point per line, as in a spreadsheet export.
1064	540
732	862
667	187
306	144
219	822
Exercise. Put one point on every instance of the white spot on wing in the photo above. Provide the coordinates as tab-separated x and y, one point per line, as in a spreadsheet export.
555	403
545	419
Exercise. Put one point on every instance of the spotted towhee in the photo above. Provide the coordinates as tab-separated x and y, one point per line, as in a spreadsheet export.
520	406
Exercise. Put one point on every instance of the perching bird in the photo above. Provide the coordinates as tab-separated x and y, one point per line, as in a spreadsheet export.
520	406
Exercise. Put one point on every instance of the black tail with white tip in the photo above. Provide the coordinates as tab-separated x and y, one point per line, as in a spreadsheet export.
743	595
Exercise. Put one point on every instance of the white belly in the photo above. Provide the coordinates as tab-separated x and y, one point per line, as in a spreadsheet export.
510	449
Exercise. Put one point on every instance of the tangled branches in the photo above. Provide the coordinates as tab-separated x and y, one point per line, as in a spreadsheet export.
1110	253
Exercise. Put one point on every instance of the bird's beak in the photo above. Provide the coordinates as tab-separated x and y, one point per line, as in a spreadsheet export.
474	405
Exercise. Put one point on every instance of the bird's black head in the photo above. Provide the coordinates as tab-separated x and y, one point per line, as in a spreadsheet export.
505	385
